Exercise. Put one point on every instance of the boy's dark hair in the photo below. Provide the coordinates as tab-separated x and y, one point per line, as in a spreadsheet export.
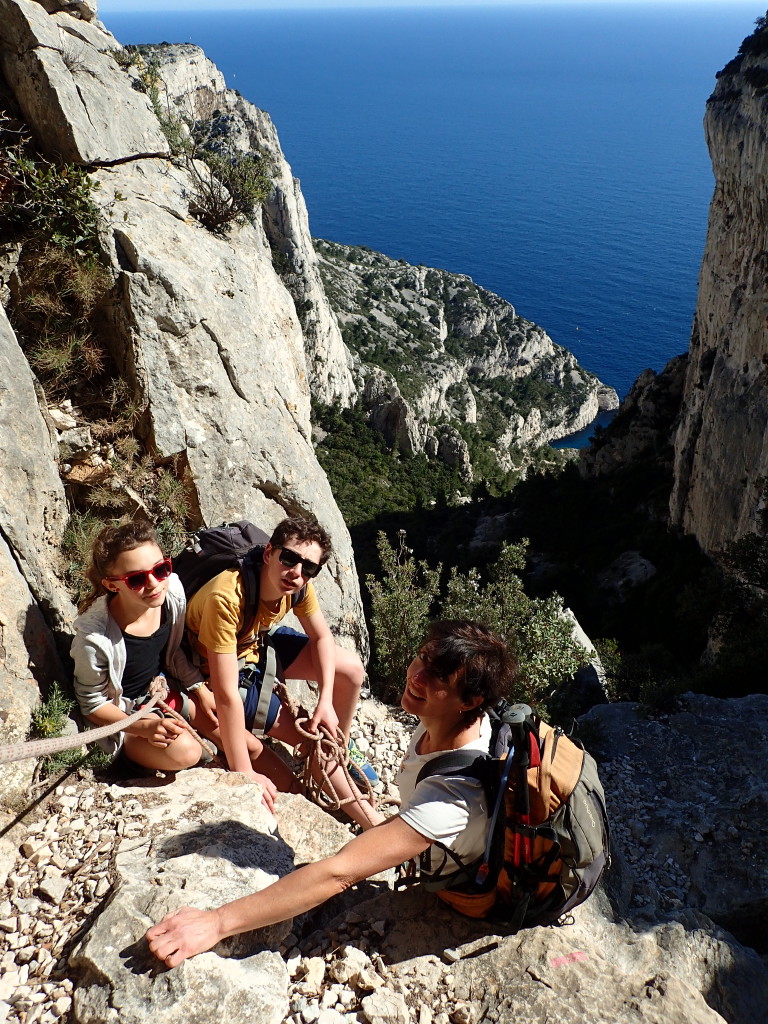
109	544
304	529
482	662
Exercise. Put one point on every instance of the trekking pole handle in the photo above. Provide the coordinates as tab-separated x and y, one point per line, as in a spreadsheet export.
516	714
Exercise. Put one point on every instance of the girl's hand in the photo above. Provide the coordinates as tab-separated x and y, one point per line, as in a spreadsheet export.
160	732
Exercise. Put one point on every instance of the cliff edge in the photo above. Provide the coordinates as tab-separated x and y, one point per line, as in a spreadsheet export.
721	445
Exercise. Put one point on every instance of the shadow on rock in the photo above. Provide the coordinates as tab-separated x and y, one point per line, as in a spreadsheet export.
233	841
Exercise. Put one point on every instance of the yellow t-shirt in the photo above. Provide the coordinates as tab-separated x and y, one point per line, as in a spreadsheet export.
215	617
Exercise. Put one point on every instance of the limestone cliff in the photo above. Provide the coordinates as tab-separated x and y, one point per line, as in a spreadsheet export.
194	88
721	462
435	351
193	322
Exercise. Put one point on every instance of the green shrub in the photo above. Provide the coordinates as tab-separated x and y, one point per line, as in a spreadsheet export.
76	545
535	627
50	717
48	721
54	313
401	600
407	593
42	198
227	188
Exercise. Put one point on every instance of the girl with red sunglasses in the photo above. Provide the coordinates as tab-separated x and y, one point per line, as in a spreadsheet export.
129	630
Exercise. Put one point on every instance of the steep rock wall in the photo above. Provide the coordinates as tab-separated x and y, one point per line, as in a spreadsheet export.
721	457
201	326
195	88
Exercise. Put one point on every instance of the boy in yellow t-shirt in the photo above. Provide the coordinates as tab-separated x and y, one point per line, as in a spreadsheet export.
233	655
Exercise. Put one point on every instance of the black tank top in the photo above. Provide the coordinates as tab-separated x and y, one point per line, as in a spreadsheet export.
144	658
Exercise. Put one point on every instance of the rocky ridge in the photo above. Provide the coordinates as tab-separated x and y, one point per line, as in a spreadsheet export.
434	351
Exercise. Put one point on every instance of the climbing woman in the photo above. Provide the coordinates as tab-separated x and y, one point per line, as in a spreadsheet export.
461	669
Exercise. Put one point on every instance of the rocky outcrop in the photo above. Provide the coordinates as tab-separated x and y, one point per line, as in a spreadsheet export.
33	512
432	346
33	516
673	938
78	103
721	461
194	88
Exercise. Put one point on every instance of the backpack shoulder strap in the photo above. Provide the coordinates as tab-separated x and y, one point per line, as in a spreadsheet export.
469	763
249	572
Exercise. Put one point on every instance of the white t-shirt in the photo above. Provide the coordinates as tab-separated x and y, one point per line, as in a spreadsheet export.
451	809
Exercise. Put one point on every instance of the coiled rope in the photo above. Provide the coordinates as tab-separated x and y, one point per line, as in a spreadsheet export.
320	755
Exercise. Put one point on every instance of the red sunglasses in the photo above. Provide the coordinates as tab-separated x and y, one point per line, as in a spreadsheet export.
139	579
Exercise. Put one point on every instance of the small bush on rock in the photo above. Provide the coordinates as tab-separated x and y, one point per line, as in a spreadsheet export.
402	600
227	188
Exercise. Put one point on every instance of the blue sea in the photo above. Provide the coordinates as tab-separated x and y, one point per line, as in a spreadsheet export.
554	153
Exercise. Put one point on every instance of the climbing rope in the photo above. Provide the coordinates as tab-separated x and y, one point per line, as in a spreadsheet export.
320	755
41	748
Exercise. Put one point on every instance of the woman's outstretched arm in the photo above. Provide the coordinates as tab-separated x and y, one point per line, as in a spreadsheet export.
188	932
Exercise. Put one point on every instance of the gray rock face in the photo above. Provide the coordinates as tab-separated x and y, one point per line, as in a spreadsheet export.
206	840
722	442
451	351
33	515
688	809
390	413
84	9
196	89
33	511
74	97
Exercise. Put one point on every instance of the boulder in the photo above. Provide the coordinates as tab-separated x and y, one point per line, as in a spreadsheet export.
78	103
206	839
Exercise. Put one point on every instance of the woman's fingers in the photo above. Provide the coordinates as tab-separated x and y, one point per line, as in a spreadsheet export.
183	934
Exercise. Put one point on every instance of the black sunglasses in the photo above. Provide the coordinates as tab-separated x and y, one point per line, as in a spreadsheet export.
290	559
139	579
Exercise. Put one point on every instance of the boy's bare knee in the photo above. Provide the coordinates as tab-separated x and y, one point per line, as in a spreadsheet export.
350	667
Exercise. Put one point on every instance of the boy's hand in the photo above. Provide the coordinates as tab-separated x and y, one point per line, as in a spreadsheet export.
325	715
269	789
